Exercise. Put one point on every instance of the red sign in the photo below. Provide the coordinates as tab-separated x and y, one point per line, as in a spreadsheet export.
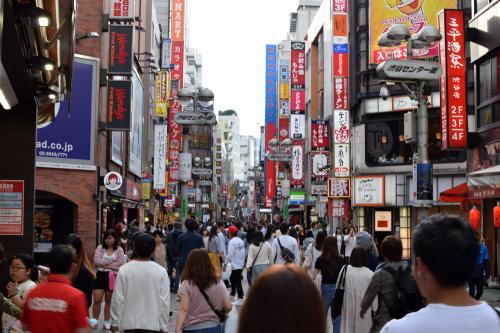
339	187
177	20
341	64
338	207
120	49
340	6
284	132
11	207
270	165
298	101
297	165
453	85
340	93
298	66
320	134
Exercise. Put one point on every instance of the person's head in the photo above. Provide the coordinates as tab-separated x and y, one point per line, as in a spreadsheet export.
144	245
445	253
221	226
232	231
178	225
309	234
204	231
199	269
257	238
318	242
292	232
214	230
22	268
392	248
284	228
346	231
249	236
110	239
76	243
61	259
158	236
330	253
170	227
191	225
282	291
338	231
359	257
269	231
364	240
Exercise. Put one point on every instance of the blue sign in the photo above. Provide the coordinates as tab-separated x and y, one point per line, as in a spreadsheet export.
68	140
341	48
424	182
271	112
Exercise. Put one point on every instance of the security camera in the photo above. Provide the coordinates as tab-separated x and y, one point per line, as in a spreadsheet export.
384	92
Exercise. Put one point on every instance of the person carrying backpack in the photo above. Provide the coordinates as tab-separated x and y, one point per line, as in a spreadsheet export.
394	285
285	248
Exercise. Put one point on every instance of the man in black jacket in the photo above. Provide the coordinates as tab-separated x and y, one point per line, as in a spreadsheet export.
173	249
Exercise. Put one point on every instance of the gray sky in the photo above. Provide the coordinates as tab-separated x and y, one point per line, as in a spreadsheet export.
231	36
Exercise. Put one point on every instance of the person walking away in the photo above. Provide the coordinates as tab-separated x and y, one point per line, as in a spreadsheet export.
309	239
236	257
85	275
214	253
160	254
313	252
23	274
172	246
6	306
329	264
108	258
357	279
141	299
383	284
187	242
285	247
286	294
481	271
365	241
259	257
269	236
56	306
204	298
445	257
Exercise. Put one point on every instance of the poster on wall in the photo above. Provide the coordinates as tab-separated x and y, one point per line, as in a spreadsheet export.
68	141
12	207
383	221
342	161
369	191
135	153
415	14
43	231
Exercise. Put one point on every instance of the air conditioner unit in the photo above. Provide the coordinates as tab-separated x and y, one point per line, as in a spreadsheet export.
410	128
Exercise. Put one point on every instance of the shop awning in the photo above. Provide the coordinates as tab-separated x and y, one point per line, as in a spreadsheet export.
457	194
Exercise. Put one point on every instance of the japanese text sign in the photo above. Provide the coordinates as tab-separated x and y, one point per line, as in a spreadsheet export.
160	156
121	9
369	190
320	134
271	116
11	207
320	161
297	126
119	105
342	160
338	207
298	101
298	65
120	49
341	126
340	93
297	164
339	187
340	6
162	93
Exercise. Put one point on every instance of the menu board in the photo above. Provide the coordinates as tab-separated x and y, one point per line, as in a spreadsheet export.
11	207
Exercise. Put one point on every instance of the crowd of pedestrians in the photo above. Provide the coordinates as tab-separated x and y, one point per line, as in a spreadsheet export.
299	279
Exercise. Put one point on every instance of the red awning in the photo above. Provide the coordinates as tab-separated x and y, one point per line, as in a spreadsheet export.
458	194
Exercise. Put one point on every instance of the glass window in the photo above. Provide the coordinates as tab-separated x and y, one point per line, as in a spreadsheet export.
484	79
405	230
480	4
385	144
321	52
361	219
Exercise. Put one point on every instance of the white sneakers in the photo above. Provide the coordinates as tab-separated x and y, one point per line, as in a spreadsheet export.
94	324
107	325
238	302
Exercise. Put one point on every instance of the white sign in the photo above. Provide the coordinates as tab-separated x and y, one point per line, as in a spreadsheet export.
185	167
342	164
383	220
319	190
160	154
369	191
121	9
165	53
297	126
113	181
202	172
341	126
409	70
319	164
297	163
195	118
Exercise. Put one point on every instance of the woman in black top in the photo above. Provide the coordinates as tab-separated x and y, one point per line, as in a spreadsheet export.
84	278
329	265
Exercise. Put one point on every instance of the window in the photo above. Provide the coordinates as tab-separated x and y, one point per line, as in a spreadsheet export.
361	219
488	91
321	52
405	231
480	4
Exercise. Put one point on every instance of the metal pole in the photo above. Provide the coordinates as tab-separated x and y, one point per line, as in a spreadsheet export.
184	192
423	125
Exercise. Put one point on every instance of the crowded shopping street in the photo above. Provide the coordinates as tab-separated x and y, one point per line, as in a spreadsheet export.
231	166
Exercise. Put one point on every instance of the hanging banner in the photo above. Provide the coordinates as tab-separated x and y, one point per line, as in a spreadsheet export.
162	93
298	65
342	162
185	167
284	129
369	191
119	105
135	142
340	93
320	161
415	14
297	164
166	49
284	78
338	207
177	17
271	117
339	187
340	60
320	134
298	101
120	49
121	9
12	207
341	126
340	6
453	81
160	155
297	126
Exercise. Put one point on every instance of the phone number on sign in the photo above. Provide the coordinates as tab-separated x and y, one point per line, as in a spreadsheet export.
52	154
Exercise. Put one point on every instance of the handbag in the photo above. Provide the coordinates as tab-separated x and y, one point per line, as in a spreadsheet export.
338	299
250	269
112	280
220	313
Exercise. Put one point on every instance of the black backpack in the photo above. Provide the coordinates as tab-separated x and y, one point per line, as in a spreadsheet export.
407	296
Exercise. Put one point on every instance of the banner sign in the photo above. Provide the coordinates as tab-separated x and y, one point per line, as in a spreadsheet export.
341	126
119	105
162	93
284	78
121	9
342	162
297	126
177	17
453	81
120	49
12	207
320	134
271	117
298	104
284	128
340	60
369	191
339	187
135	144
340	6
340	93
297	164
338	207
320	162
298	65
422	177
415	14
160	155
185	167
69	141
165	53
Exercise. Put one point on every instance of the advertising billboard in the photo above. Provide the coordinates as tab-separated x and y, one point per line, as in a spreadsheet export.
160	155
298	65
415	14
271	117
162	93
298	164
68	141
120	49
135	152
119	105
320	134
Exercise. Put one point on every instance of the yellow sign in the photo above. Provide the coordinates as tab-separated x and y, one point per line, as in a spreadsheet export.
284	90
162	93
414	13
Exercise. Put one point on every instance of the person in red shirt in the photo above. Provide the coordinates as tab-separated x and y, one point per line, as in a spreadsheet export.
56	306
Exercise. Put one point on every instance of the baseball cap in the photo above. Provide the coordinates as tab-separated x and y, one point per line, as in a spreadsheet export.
144	244
232	230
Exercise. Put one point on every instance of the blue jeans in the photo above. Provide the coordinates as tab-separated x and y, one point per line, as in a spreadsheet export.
327	294
216	329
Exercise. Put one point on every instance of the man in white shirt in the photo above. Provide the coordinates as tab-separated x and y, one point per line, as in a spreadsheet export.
141	298
236	257
445	254
288	242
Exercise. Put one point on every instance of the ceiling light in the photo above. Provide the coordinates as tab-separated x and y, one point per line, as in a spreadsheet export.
39	17
42	63
46	94
398	32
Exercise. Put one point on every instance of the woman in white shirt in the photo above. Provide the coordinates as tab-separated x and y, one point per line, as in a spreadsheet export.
260	255
350	242
313	252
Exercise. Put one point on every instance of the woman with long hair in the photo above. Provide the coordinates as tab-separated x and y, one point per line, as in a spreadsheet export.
313	251
260	256
215	254
83	280
203	296
329	264
108	258
269	236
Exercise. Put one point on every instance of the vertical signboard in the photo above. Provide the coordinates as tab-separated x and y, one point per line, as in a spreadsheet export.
297	164
120	49
271	117
162	93
341	126
298	68
177	81
166	45
284	78
320	161
453	85
135	145
160	155
320	134
11	207
342	160
297	126
121	9
119	105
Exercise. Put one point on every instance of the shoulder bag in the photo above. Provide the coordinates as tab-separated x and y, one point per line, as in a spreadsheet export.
338	299
250	269
220	313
